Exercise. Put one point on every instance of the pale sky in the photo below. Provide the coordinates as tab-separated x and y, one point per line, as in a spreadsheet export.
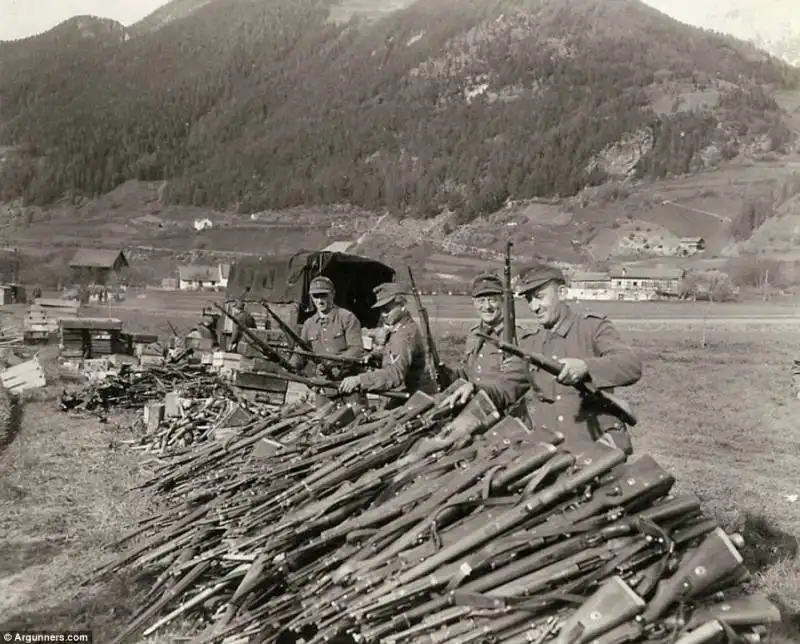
21	18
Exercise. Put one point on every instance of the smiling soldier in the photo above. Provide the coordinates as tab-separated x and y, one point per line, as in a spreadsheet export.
590	349
483	363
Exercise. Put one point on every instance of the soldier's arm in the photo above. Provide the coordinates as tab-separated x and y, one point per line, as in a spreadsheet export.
398	357
352	334
512	383
615	364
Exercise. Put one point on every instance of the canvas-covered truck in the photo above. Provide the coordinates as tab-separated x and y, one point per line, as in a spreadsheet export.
284	281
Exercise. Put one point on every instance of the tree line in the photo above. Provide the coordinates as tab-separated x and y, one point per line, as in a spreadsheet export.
258	105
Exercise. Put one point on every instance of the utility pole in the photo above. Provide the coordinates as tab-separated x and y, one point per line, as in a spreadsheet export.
765	285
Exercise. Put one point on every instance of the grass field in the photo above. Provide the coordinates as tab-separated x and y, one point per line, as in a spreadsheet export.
182	304
720	417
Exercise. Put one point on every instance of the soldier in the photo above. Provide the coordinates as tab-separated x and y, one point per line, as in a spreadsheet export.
402	354
331	330
590	348
483	363
244	318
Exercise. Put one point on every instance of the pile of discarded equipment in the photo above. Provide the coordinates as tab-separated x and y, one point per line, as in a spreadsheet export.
129	387
427	524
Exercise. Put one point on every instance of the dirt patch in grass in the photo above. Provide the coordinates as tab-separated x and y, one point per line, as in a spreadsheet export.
63	496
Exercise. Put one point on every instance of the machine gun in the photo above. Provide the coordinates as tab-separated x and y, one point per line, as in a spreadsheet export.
612	404
436	368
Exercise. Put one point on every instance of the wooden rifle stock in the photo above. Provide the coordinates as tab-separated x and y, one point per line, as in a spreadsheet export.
613	404
333	384
509	314
435	366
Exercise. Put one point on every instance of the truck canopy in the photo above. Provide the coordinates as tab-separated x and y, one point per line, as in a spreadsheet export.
285	279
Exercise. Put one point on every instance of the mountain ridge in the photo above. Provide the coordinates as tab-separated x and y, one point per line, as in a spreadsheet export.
430	111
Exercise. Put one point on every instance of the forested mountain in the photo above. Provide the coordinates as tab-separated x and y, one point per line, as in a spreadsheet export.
272	103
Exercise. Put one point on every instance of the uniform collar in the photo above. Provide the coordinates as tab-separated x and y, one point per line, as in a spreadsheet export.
566	318
329	315
404	318
495	329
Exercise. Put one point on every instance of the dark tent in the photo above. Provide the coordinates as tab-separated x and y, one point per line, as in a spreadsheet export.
286	279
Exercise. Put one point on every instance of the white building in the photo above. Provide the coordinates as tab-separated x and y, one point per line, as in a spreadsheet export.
195	277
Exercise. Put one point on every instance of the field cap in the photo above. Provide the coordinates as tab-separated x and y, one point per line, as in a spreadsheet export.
385	293
487	284
321	285
535	275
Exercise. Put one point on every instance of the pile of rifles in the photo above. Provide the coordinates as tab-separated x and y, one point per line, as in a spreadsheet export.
429	524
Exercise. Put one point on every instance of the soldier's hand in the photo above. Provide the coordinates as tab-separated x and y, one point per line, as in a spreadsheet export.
574	371
349	384
321	371
460	396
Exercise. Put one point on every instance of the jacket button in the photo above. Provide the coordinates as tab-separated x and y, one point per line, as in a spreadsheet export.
560	419
558	397
555	357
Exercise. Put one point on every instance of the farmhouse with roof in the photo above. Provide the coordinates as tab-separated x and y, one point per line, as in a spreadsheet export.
97	266
193	277
626	283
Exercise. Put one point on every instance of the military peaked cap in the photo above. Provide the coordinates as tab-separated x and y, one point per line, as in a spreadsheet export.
487	284
535	275
385	293
321	284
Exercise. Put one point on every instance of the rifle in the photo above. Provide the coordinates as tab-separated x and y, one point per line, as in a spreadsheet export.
267	350
172	328
326	357
509	314
614	404
435	366
332	384
288	330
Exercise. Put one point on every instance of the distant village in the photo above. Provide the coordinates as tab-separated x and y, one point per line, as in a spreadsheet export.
99	274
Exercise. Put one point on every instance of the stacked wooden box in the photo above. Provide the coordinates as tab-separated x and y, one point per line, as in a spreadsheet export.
257	383
251	350
91	337
41	320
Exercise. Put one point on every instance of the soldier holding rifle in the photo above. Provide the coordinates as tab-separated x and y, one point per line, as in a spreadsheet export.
402	355
484	363
591	351
331	330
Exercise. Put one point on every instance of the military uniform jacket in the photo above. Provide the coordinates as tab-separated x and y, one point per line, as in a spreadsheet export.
485	365
338	333
402	363
580	334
